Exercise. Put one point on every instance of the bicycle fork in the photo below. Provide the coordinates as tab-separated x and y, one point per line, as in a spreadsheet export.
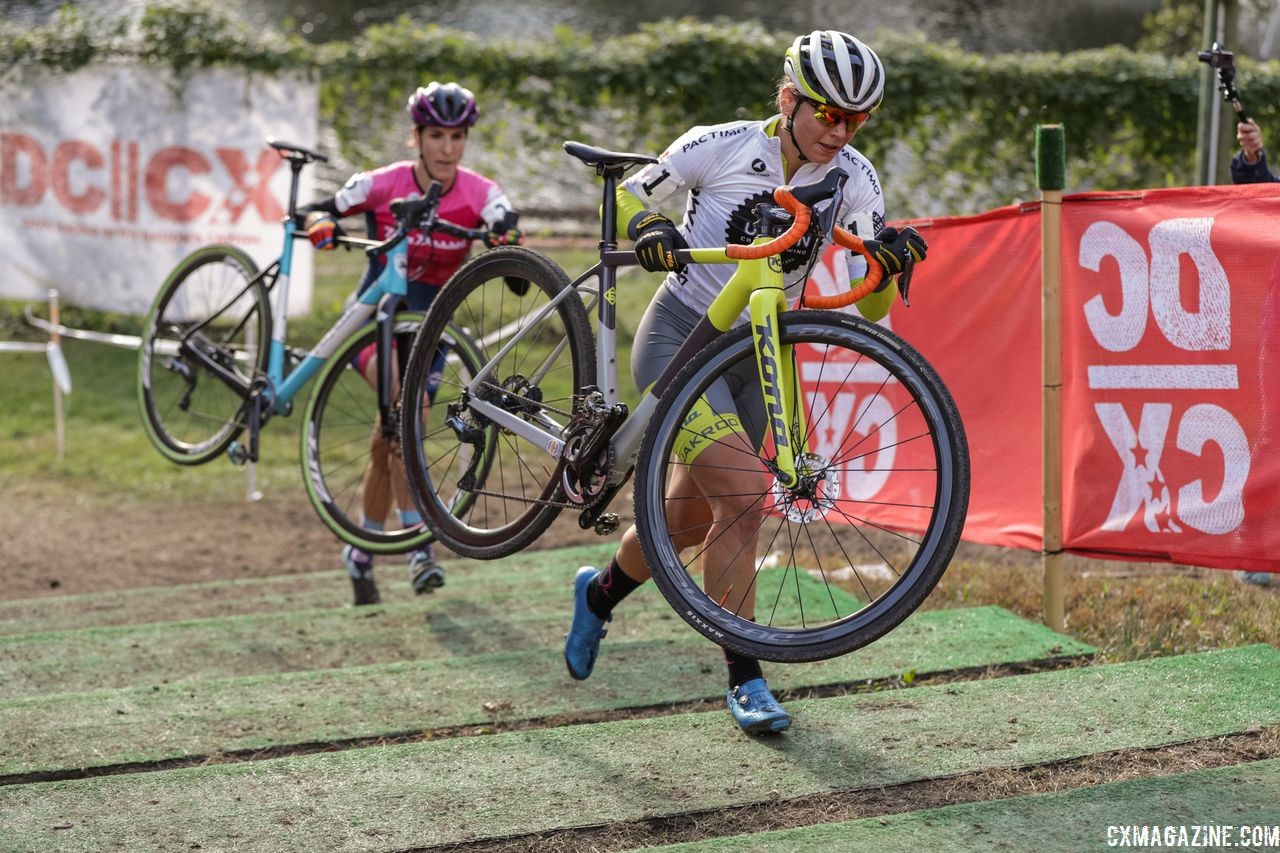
776	365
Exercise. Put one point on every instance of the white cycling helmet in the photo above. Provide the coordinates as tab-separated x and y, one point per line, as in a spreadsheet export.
835	68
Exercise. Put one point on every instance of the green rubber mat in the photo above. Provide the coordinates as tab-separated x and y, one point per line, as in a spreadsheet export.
309	591
109	727
1223	808
589	775
264	643
509	618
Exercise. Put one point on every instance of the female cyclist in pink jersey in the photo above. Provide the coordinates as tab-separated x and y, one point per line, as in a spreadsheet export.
442	114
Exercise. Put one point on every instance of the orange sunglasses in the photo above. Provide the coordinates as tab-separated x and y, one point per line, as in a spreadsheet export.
831	116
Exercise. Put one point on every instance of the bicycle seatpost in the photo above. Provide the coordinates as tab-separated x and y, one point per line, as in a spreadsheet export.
609	212
295	169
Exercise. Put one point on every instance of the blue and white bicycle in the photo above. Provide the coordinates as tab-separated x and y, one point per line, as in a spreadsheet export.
215	365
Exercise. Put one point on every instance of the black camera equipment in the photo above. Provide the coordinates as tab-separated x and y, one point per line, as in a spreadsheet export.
1223	62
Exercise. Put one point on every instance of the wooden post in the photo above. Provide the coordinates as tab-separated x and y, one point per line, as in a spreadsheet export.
1208	100
1051	167
1225	144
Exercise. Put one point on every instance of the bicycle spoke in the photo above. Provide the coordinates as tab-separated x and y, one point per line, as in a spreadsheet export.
213	301
446	463
840	459
857	523
719	443
835	513
512	488
817	559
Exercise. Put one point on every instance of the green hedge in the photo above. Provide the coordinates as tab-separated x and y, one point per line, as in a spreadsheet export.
954	135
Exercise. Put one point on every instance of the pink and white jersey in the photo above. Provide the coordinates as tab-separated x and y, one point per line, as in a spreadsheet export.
473	200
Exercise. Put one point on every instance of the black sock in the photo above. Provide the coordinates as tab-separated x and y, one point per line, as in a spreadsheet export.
741	668
609	587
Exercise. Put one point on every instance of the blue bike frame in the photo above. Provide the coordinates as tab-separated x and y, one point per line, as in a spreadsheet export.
391	285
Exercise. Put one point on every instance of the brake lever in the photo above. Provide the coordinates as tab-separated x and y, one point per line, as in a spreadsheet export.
904	279
829	218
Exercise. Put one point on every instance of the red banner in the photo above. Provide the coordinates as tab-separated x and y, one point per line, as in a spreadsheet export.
1171	369
1171	311
975	316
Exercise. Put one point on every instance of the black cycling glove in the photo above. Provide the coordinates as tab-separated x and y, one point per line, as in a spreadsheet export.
657	240
892	248
506	232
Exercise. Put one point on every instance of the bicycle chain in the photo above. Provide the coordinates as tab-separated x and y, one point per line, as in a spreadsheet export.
540	501
492	387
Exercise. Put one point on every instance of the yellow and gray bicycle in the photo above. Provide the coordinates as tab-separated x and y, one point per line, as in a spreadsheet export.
805	538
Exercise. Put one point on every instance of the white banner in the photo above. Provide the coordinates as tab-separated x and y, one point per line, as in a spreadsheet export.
112	174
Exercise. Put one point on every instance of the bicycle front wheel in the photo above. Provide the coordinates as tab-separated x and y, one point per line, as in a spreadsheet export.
210	301
485	490
349	467
826	565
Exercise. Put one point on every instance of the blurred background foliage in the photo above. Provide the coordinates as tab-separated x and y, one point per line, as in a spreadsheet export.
953	136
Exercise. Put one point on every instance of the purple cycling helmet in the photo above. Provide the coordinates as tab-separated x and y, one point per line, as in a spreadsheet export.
443	105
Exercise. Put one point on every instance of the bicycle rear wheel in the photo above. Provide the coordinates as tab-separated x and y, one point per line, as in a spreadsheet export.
485	491
338	433
830	564
210	300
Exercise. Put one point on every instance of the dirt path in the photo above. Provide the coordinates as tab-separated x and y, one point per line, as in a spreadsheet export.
60	544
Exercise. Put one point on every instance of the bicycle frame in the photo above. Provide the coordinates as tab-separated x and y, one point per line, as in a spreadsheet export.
284	383
757	284
391	286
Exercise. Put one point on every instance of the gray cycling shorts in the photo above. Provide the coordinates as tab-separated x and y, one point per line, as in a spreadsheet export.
735	401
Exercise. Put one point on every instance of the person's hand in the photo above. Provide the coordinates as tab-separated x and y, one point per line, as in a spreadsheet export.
892	248
657	240
505	232
506	237
1249	135
322	230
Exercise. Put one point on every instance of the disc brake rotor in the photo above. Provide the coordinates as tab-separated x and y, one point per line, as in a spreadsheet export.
815	493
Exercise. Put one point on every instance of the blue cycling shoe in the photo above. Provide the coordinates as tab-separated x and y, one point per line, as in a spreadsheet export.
755	709
582	643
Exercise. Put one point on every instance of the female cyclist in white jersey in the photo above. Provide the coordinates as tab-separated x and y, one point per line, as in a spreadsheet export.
831	84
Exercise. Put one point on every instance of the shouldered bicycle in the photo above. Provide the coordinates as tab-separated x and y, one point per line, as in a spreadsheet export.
857	472
215	363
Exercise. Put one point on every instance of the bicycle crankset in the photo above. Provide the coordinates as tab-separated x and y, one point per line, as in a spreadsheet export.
585	480
587	452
